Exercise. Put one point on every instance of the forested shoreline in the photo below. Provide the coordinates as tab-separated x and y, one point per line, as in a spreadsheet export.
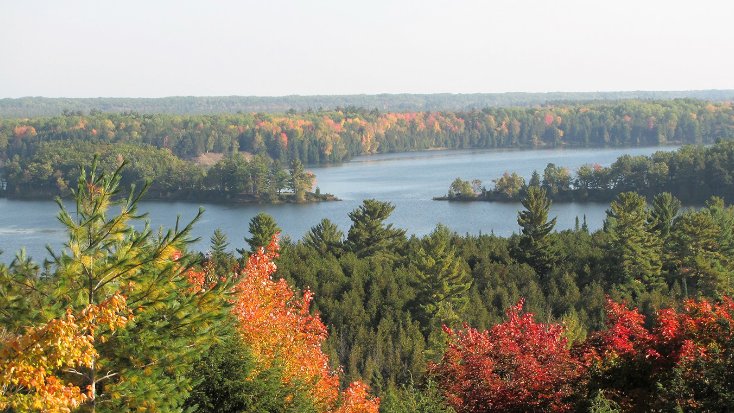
692	174
335	136
39	155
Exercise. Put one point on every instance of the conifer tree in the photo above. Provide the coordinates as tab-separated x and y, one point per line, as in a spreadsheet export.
440	276
218	242
664	209
633	249
368	234
326	238
535	247
144	365
262	228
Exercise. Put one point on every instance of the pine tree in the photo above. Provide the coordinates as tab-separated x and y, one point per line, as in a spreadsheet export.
144	365
664	209
368	235
262	228
441	277
633	249
535	247
326	238
218	242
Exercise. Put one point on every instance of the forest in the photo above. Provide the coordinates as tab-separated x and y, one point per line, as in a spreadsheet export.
39	156
233	178
635	316
691	174
337	135
29	107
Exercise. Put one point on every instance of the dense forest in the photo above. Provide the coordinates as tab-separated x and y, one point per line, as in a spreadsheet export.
692	174
632	317
28	107
233	178
335	136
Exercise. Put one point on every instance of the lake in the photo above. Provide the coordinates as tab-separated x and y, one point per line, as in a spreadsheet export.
408	180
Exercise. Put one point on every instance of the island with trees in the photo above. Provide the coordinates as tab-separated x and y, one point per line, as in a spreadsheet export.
692	173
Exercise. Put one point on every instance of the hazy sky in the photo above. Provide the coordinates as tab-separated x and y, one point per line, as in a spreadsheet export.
155	48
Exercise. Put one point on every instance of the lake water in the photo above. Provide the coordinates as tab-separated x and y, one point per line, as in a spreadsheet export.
408	180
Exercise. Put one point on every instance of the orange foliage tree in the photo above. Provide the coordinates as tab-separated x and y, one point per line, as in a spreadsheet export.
279	330
29	379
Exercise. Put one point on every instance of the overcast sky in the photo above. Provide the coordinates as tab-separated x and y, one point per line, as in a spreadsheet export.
152	48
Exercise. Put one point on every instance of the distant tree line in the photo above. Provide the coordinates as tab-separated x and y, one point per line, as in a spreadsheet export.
691	173
336	135
28	107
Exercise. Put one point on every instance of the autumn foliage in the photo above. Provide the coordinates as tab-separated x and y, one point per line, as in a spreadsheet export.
684	361
516	366
32	361
279	330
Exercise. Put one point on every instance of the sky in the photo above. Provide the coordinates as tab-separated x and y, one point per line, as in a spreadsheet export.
157	48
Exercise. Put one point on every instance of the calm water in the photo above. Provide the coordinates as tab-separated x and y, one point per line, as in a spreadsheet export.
409	181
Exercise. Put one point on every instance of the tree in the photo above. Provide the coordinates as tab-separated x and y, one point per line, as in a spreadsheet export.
664	209
460	189
369	236
441	277
535	247
325	238
516	366
509	185
280	332
300	181
278	178
262	228
227	383
219	242
535	179
680	364
146	363
633	250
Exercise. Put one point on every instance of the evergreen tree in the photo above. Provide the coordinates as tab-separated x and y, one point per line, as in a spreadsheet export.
664	209
218	243
262	228
145	363
368	235
440	276
278	178
228	382
633	249
535	247
300	181
534	179
326	238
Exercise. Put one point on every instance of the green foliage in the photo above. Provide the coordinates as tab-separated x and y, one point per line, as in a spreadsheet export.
227	383
368	235
441	277
325	238
146	364
535	247
262	229
509	185
664	209
460	189
634	250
